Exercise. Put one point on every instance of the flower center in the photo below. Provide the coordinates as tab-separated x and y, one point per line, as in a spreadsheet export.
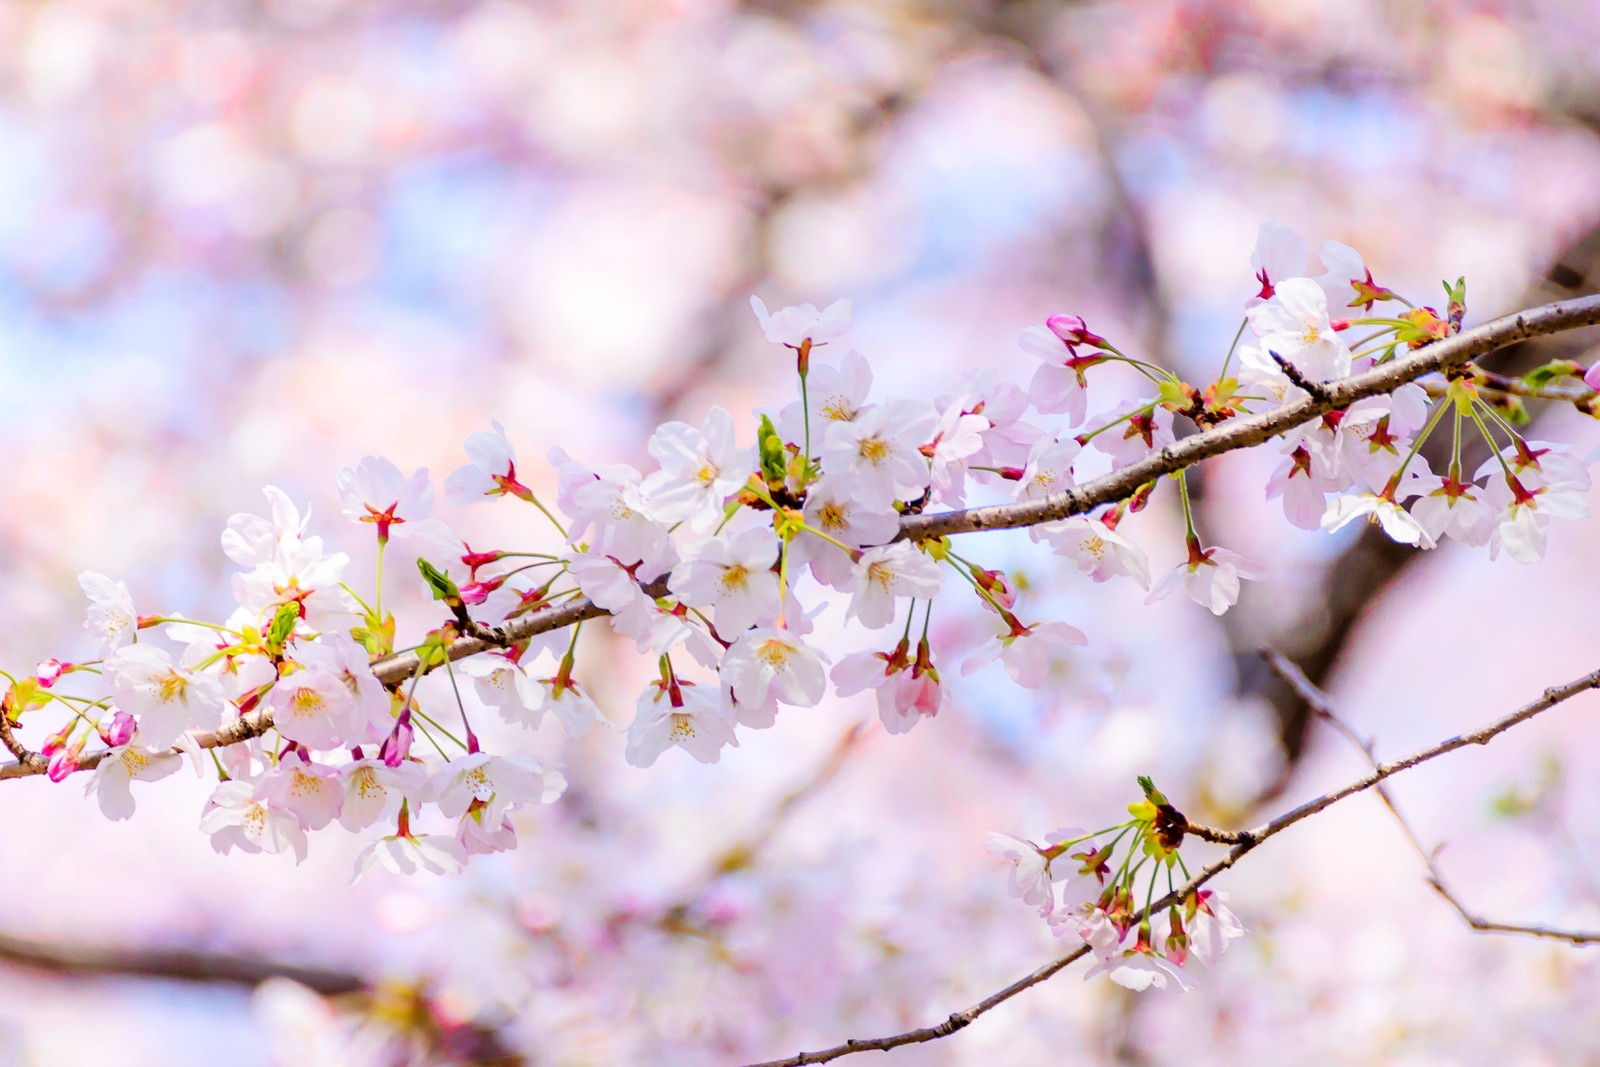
735	578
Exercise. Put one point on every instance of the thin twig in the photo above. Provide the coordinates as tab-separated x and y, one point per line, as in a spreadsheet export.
1249	839
1323	707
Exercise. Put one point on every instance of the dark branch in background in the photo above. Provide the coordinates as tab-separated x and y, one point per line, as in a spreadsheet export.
178	965
469	1044
1323	707
1247	840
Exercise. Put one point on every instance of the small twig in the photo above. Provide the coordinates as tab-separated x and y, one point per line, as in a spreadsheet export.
1322	705
1317	391
1217	836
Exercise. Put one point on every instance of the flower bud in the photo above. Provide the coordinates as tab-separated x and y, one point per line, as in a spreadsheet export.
65	761
121	729
48	670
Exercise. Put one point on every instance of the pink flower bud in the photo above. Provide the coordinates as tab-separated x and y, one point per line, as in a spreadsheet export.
1074	331
120	732
481	559
478	592
1592	377
397	746
48	670
65	762
998	585
56	741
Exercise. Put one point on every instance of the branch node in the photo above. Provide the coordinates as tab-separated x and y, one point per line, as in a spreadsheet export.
1318	391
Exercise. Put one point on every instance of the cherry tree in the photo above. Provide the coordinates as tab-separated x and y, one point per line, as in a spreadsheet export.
689	533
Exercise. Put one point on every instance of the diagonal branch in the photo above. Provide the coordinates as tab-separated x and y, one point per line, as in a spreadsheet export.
1118	485
1323	707
1247	840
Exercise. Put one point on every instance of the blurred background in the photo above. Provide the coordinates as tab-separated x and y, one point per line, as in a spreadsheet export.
244	244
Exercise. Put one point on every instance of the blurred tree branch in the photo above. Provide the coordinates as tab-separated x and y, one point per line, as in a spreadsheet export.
461	1044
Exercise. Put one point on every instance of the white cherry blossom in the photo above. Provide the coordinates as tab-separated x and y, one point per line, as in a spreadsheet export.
406	854
886	573
110	780
700	469
1394	519
697	719
1095	548
878	453
236	818
794	326
733	577
1210	578
375	492
166	699
112	617
767	663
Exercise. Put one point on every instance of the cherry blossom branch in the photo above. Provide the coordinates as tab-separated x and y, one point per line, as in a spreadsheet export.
1252	430
1245	841
1323	707
1229	436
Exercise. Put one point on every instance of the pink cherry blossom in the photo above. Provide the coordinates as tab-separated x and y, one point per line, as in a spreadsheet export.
311	792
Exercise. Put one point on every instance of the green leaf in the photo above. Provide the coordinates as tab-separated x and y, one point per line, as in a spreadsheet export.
443	588
774	457
283	624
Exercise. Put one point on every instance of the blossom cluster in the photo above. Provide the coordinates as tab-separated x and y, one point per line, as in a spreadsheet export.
1085	900
715	558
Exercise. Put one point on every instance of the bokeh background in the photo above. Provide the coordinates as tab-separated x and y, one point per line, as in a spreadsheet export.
247	243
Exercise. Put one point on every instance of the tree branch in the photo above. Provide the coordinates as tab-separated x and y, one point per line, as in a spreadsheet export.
1247	840
1254	429
1229	436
